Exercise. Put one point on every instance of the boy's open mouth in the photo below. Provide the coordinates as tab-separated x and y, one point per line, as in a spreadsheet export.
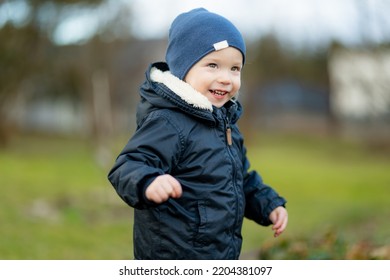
218	92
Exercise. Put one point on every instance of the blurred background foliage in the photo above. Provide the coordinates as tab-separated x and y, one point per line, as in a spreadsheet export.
66	110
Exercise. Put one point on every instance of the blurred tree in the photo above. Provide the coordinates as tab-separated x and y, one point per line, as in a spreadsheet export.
21	55
272	61
373	21
31	63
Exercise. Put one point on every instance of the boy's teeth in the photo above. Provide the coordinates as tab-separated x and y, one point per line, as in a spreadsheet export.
218	92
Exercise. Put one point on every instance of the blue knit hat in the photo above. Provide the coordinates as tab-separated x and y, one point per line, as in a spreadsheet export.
197	33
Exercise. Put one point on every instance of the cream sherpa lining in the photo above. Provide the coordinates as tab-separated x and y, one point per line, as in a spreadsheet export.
181	89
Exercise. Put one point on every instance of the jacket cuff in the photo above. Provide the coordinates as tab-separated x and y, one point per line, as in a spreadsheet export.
275	204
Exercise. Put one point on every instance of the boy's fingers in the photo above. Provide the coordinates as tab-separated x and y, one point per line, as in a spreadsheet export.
162	188
280	225
279	219
175	187
277	224
161	195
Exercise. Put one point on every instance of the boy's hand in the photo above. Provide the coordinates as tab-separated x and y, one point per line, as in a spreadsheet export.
162	188
279	218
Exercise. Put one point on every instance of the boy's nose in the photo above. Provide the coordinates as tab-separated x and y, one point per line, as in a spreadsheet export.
224	77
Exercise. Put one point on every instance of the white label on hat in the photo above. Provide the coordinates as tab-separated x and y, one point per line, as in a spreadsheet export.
221	45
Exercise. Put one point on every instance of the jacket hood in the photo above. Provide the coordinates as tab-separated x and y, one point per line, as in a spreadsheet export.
161	89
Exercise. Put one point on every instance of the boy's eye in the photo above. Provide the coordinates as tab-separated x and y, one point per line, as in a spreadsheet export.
236	68
212	65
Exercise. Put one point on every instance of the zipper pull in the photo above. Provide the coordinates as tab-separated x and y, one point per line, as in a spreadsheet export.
228	132
229	135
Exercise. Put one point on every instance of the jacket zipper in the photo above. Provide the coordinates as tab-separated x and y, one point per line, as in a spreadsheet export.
229	141
228	132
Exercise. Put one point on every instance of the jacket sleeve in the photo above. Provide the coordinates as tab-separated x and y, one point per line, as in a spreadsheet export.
152	151
261	199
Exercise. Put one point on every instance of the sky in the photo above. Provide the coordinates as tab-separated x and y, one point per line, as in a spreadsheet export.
300	22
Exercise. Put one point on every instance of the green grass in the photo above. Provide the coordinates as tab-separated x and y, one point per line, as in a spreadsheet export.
332	187
56	203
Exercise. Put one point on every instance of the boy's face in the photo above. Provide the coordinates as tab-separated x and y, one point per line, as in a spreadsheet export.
217	75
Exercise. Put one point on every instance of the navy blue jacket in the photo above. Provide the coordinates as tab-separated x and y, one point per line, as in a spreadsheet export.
180	133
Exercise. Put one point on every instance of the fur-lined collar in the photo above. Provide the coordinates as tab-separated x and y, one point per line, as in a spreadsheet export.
181	89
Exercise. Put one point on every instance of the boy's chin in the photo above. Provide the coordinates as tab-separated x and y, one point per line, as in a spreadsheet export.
218	103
